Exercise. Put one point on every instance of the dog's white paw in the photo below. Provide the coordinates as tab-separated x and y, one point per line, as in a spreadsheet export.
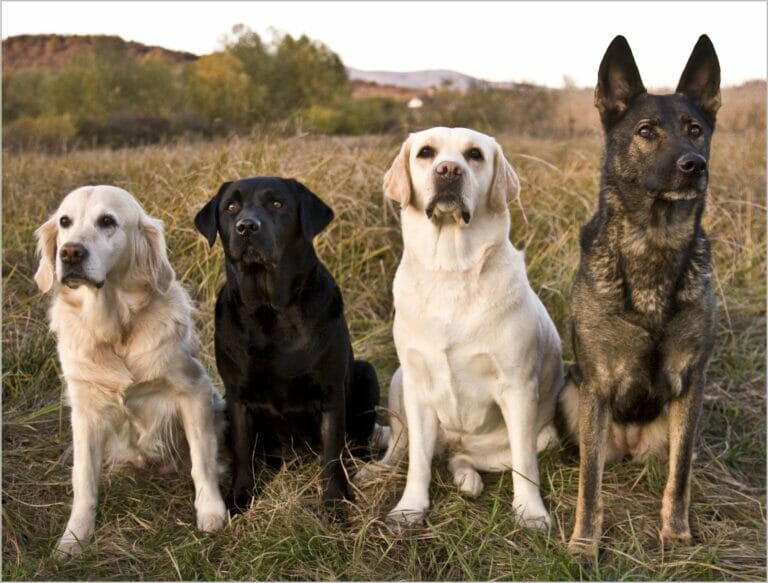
532	515
380	436
400	518
370	471
68	547
213	517
468	481
365	474
546	438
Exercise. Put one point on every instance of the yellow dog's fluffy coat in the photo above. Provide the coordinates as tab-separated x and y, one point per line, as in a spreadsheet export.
128	352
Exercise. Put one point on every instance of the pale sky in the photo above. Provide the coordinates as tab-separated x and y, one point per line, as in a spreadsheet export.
537	42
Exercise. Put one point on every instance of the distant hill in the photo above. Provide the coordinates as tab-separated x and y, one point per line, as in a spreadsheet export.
367	89
53	51
429	78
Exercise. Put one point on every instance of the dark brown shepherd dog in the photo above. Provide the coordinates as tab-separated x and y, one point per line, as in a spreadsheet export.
642	304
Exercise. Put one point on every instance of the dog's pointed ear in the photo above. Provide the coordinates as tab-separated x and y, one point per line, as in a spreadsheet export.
700	81
505	185
397	180
151	255
314	214
618	82
46	250
207	219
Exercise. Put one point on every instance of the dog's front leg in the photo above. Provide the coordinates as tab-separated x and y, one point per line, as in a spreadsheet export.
683	419
594	424
422	437
197	415
88	450
332	428
242	434
519	405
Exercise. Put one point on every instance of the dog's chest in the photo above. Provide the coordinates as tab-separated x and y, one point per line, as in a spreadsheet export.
450	330
281	340
443	306
459	385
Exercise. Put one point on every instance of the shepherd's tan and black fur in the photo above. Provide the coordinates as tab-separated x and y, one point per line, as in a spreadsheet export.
642	305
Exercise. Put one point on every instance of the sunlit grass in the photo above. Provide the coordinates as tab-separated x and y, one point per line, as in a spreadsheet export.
145	524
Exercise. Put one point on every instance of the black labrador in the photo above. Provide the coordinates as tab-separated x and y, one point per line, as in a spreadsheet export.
282	343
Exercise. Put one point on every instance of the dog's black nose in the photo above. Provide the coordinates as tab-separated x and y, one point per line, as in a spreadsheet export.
73	253
448	171
246	227
692	163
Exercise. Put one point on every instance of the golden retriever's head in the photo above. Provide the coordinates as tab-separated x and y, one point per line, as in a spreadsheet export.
100	234
451	173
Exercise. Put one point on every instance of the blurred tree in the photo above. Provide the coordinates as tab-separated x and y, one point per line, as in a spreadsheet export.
24	94
221	88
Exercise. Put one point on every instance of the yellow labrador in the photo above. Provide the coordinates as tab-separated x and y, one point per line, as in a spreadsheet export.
480	357
127	349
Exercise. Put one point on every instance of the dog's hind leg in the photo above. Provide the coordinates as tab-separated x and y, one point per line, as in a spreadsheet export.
395	435
465	476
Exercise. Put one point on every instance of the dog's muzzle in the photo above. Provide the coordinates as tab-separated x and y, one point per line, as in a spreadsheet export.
449	181
74	279
73	257
448	204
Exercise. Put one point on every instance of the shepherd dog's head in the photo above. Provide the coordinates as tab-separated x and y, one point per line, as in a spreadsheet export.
657	146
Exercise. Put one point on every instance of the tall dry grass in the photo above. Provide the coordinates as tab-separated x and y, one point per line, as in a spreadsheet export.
145	525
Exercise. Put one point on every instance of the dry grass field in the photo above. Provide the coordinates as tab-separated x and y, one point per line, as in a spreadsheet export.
145	525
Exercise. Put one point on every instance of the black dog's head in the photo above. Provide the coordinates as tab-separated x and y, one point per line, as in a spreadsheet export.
658	145
259	219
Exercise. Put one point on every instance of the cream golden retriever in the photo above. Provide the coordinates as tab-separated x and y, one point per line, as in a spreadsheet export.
127	349
480	357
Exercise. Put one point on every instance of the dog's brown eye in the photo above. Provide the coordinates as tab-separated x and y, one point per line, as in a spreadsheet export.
65	222
426	152
694	130
277	204
233	207
106	221
474	154
645	131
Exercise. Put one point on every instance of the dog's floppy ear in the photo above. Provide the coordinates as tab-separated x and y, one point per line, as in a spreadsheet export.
207	219
314	214
505	185
618	82
46	250
150	257
397	180
700	81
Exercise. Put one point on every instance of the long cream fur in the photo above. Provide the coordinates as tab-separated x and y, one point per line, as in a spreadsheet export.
128	354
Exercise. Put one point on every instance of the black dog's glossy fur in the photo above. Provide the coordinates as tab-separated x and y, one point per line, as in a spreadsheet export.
642	305
282	343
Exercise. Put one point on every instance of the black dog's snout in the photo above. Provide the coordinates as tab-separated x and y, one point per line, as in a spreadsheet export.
692	163
73	253
247	227
448	171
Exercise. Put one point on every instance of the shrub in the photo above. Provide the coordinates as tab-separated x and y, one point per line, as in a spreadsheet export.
49	133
